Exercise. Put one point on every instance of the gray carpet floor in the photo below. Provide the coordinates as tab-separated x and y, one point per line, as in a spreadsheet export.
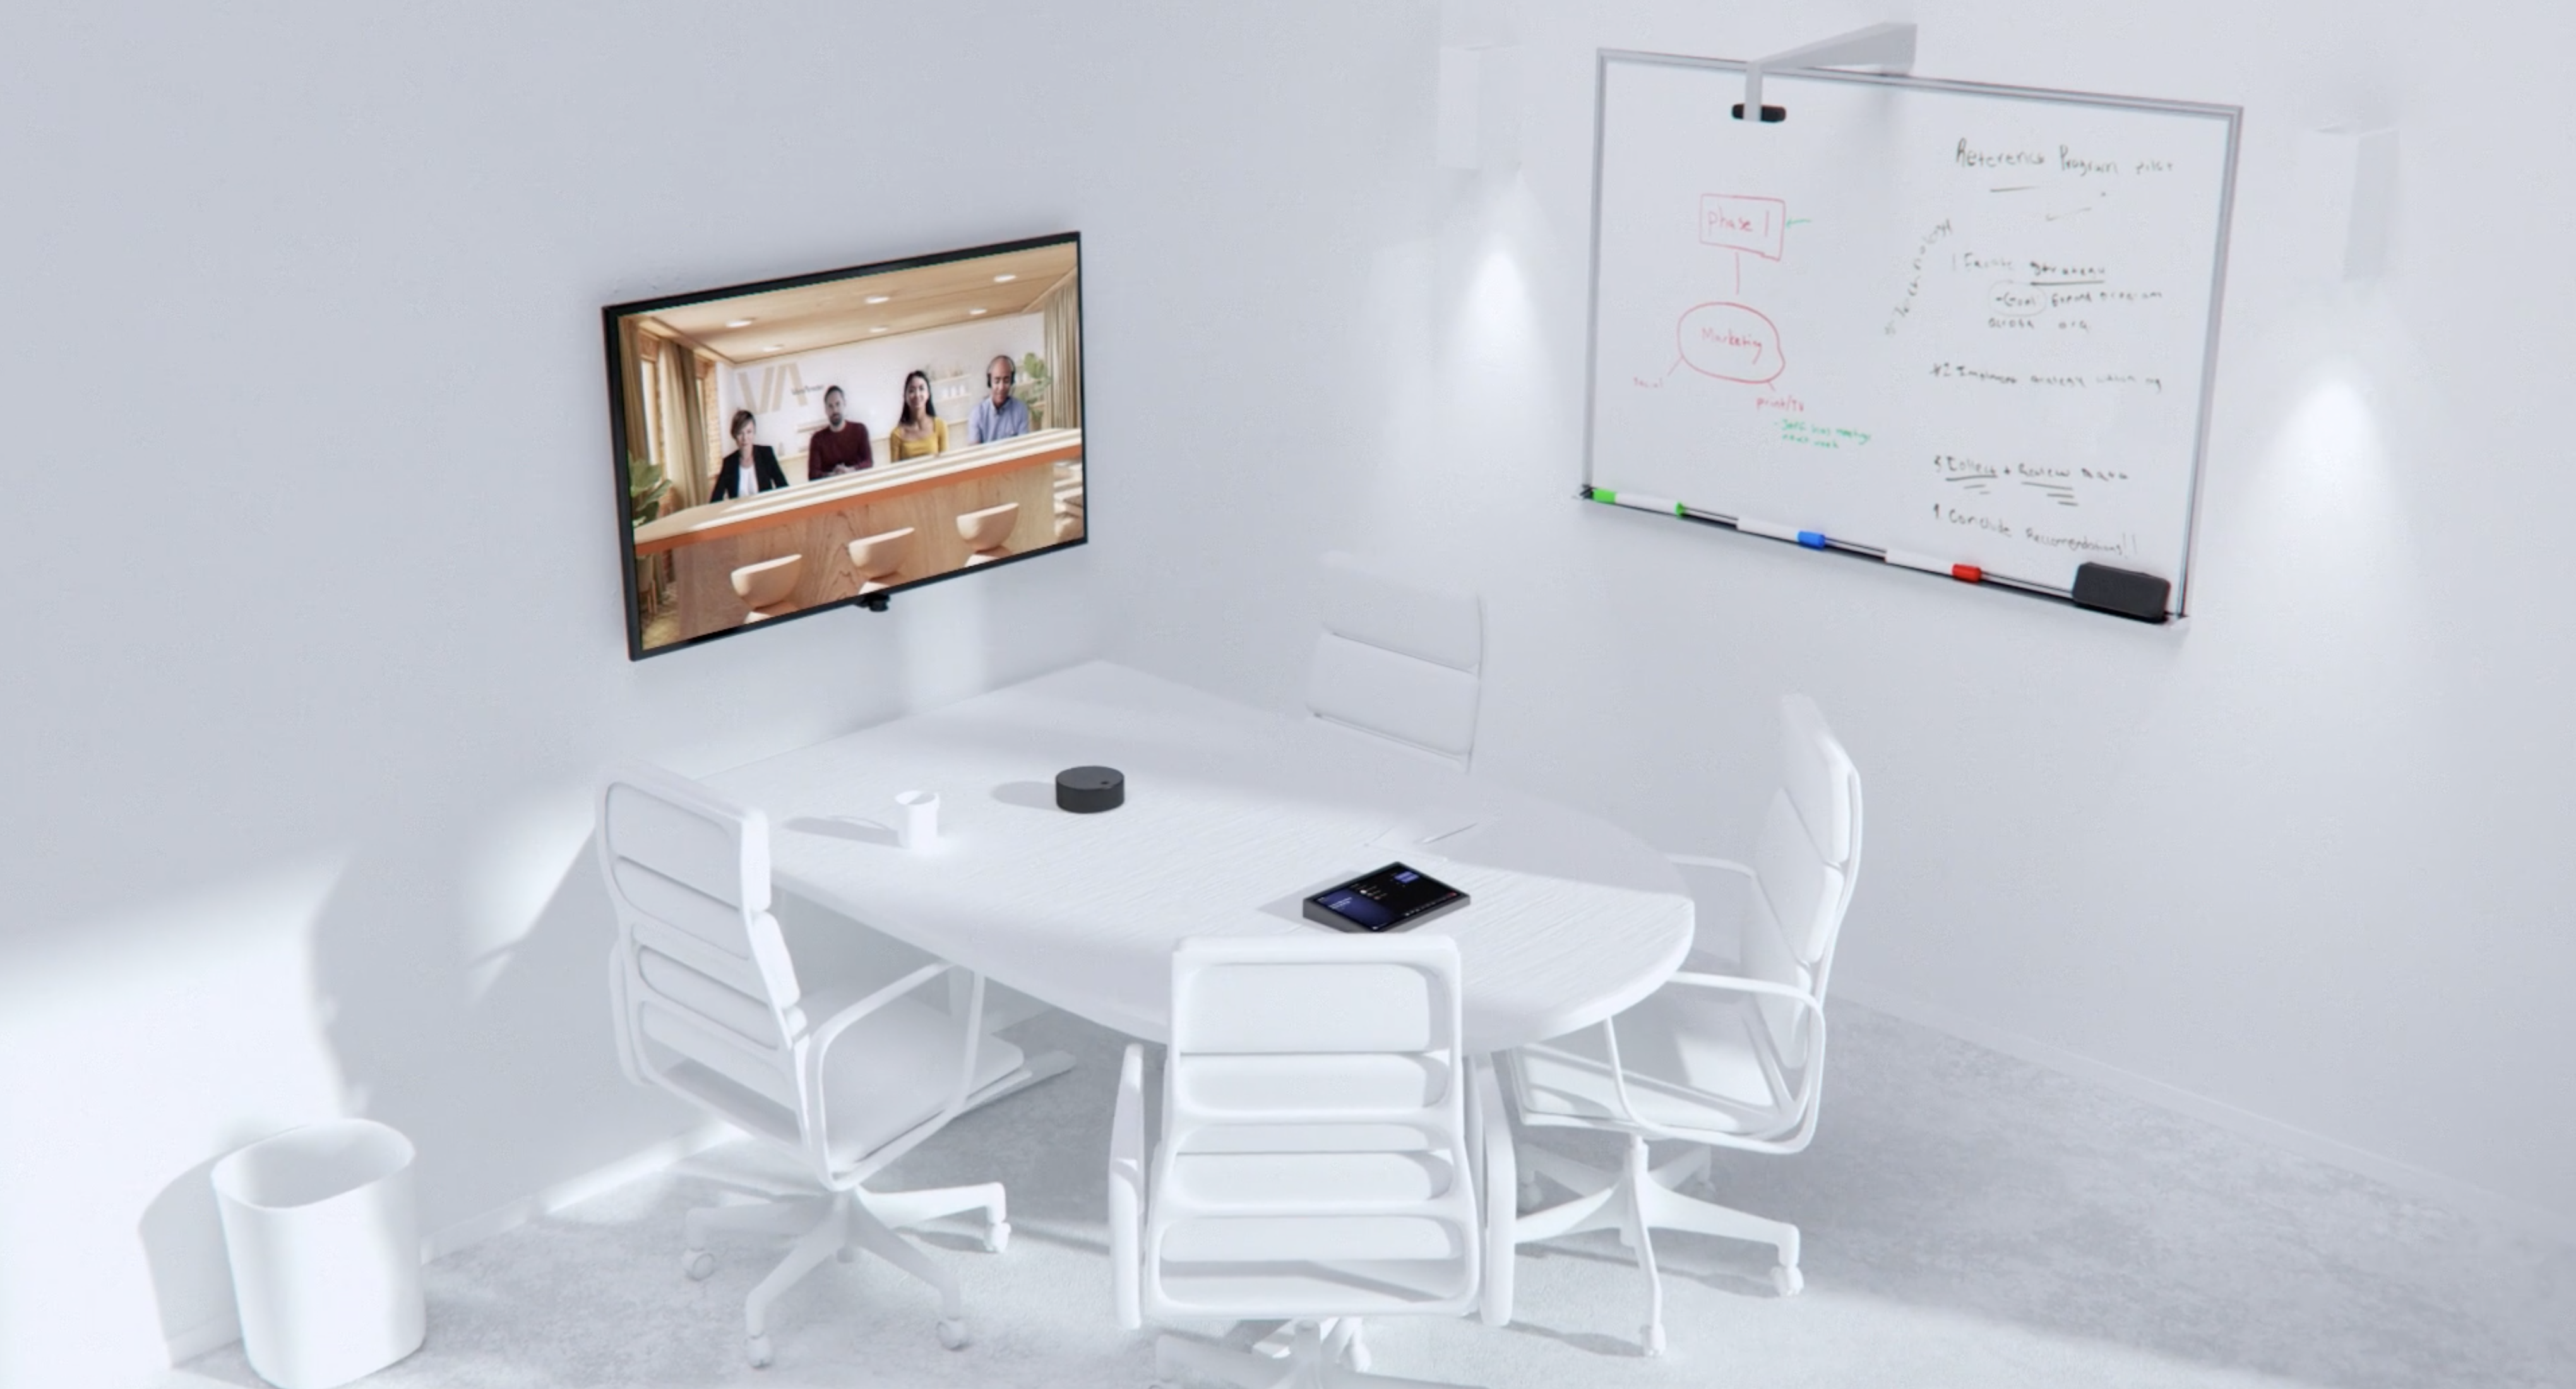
1969	1220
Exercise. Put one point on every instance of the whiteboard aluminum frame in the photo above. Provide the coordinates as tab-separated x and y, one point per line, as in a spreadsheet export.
2234	116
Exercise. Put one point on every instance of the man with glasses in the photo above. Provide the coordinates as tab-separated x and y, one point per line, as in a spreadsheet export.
999	415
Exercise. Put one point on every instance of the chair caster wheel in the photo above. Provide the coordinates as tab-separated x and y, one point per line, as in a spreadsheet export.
1531	1193
952	1334
697	1263
758	1347
997	1237
1654	1340
1787	1280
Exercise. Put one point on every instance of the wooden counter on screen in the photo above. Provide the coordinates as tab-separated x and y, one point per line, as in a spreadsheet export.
818	520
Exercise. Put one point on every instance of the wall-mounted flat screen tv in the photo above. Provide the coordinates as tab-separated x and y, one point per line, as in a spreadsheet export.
798	445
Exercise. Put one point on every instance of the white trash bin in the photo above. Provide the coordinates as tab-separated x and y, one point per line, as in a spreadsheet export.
325	1249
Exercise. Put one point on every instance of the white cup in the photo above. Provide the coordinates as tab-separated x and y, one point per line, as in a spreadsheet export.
919	823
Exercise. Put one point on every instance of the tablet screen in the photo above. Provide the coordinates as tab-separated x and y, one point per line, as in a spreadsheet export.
1389	899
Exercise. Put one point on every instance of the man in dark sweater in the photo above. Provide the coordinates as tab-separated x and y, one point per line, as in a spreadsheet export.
840	446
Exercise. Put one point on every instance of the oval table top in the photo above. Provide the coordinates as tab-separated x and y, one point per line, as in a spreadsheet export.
1233	816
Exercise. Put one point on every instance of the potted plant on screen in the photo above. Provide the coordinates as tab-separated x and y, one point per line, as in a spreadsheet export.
1032	390
645	489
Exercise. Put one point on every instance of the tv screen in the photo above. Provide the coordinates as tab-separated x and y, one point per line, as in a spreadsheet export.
797	445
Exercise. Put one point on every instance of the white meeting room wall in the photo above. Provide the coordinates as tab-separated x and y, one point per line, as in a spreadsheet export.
297	757
2297	865
298	754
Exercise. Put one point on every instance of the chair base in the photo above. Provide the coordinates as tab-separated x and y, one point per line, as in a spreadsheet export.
1319	1355
1639	1198
842	1224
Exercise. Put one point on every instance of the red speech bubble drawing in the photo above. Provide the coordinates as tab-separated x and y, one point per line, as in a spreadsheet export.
1732	343
1743	224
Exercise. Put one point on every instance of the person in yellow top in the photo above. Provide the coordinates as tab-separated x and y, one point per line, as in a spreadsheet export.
920	432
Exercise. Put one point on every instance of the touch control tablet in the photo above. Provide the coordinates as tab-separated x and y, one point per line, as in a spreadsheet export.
1390	899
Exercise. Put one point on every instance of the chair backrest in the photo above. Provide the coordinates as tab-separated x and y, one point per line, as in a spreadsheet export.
1398	659
706	995
1805	865
1314	1113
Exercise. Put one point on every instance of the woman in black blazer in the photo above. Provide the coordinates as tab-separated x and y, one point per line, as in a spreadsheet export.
765	471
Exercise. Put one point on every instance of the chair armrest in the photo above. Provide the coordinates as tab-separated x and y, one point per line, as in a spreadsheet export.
1127	1187
1502	1182
818	1044
821	1037
1812	1072
1738	984
627	1061
1702	861
1625	1106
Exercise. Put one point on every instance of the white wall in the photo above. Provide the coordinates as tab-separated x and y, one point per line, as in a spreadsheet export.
2300	864
297	754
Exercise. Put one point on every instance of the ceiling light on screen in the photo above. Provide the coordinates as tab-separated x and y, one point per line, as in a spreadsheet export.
877	329
970	313
773	347
739	323
1004	279
879	298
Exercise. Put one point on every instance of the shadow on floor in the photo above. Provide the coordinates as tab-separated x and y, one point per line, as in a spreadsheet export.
1968	1221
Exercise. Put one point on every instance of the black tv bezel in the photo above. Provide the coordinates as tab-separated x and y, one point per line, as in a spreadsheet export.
609	316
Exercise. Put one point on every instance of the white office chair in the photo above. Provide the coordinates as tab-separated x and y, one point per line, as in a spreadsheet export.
1319	1159
1398	660
709	1008
1728	1060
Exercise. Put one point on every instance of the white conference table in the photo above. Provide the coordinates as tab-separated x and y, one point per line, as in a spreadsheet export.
1233	816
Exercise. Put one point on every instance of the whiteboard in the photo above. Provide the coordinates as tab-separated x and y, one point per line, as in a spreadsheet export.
1972	323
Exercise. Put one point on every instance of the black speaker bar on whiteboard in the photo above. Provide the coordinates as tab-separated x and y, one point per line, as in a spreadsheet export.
2122	592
